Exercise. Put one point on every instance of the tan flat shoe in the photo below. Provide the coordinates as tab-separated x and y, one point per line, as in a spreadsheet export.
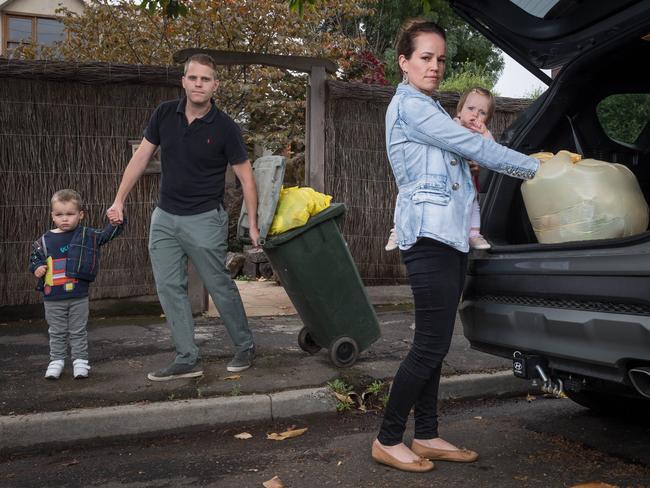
456	455
382	457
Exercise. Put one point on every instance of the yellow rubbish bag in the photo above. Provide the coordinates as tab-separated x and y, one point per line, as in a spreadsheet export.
295	206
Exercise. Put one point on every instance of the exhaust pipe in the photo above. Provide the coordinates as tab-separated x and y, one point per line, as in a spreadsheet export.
640	378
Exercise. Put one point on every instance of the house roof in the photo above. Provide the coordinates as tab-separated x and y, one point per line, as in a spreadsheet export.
5	3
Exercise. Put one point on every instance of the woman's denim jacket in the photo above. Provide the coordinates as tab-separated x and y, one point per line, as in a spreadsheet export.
428	153
82	261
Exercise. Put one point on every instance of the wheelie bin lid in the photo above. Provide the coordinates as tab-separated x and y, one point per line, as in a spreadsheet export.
269	174
333	211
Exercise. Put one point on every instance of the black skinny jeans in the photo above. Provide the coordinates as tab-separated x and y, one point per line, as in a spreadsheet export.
437	276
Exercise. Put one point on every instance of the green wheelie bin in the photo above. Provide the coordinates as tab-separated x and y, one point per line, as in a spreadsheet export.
320	277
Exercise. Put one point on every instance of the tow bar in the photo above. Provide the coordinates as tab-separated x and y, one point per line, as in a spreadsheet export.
531	367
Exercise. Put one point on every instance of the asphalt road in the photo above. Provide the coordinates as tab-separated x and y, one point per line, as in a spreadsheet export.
539	443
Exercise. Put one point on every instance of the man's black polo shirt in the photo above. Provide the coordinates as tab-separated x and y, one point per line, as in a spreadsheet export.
194	158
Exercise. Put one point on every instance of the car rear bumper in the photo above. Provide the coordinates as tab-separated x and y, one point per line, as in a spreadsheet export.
589	343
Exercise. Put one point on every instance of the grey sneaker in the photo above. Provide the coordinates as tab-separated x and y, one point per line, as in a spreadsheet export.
176	371
242	360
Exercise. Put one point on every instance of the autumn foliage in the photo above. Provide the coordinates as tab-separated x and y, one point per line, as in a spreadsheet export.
363	66
268	102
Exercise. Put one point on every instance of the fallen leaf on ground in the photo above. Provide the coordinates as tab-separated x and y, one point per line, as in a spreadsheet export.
232	377
274	482
530	398
243	435
343	398
287	434
478	417
594	484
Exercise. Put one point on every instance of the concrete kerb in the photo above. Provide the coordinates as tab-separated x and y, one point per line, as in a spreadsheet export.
474	385
41	429
22	431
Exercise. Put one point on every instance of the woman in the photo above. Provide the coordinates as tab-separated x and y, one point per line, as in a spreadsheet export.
428	153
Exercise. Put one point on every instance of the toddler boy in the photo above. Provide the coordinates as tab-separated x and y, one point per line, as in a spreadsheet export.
66	261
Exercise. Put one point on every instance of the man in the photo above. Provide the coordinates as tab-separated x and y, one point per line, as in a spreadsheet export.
197	142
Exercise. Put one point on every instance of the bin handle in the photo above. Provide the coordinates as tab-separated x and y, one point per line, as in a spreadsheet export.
245	239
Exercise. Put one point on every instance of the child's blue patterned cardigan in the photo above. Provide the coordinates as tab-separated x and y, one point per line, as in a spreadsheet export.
83	256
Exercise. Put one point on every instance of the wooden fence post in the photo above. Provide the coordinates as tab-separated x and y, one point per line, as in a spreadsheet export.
196	292
315	133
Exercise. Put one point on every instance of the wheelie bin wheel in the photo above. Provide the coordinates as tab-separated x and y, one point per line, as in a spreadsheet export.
344	352
306	342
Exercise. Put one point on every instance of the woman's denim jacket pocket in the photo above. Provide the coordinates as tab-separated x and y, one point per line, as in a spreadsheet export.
434	189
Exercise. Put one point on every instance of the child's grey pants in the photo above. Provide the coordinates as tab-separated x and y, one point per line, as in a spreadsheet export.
67	321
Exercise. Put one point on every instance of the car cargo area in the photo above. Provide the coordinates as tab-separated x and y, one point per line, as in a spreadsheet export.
574	115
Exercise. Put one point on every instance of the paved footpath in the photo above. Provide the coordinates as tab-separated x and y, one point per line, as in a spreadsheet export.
118	399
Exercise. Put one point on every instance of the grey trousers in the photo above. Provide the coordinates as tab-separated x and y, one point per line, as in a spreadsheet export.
67	320
203	238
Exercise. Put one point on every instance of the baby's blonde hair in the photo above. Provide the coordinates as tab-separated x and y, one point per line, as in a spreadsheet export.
480	91
67	195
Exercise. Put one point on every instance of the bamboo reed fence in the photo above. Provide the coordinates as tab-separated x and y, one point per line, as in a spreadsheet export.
71	125
357	171
67	125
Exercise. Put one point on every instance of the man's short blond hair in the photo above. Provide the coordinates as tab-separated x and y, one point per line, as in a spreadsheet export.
204	59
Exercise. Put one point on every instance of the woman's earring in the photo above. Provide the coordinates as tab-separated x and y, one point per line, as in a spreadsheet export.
405	77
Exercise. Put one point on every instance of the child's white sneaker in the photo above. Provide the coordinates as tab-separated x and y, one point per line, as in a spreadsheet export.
391	245
54	369
478	242
80	368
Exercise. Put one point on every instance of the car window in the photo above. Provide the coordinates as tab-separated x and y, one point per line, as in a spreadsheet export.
538	8
564	9
625	116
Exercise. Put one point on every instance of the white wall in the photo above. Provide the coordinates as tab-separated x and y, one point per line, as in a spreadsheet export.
37	7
